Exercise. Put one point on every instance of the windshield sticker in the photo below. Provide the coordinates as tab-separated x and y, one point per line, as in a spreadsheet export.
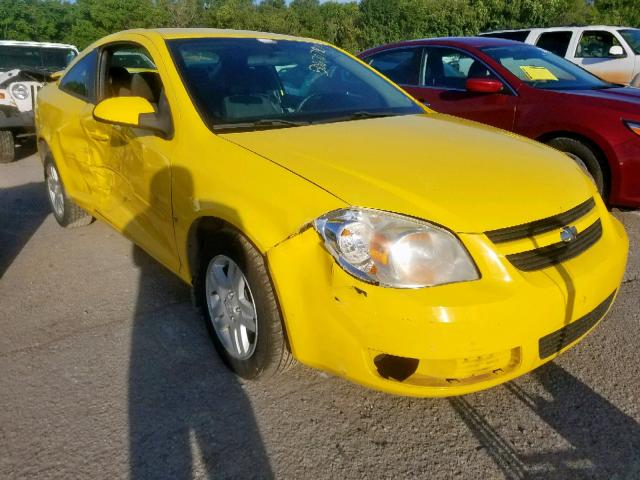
318	60
538	73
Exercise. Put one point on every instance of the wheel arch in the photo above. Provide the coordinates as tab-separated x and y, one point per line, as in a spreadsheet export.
44	151
207	227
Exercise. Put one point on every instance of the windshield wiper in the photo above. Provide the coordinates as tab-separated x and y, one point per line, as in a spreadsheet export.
263	123
361	115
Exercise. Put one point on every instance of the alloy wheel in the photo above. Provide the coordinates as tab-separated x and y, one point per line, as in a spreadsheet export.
232	311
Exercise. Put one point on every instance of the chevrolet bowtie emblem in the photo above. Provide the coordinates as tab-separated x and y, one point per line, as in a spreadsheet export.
568	234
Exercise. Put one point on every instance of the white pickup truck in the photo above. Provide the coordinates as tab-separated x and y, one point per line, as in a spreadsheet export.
611	53
24	68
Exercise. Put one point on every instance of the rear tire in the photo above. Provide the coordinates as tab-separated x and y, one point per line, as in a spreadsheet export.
7	147
66	212
265	351
588	157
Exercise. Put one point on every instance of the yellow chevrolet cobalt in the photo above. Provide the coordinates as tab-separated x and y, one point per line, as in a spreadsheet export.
322	215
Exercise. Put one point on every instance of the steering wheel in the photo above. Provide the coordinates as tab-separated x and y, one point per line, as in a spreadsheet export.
325	101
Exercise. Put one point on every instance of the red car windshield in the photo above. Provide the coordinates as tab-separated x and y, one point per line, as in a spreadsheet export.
542	69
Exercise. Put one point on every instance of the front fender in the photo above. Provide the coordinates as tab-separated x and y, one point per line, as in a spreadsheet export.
258	198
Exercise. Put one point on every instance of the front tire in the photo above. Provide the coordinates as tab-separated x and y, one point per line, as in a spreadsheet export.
7	147
234	292
586	155
66	212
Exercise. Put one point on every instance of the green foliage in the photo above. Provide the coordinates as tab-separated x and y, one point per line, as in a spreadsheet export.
353	26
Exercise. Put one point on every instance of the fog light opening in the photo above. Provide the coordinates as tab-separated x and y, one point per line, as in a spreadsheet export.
395	368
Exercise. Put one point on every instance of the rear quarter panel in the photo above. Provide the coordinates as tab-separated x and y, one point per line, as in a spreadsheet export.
58	131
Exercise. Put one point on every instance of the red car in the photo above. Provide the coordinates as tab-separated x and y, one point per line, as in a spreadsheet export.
531	92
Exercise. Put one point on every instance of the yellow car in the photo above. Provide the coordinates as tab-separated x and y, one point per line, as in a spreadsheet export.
323	215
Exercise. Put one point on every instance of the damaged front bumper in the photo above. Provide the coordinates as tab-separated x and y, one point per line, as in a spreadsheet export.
450	339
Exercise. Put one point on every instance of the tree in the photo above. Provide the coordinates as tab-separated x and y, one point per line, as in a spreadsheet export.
354	26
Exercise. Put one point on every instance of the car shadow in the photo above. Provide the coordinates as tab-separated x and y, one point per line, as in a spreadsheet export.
188	415
22	210
604	441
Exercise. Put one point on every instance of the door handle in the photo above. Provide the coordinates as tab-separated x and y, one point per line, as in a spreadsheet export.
100	136
426	103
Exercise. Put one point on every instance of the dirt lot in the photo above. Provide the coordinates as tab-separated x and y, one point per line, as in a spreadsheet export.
106	372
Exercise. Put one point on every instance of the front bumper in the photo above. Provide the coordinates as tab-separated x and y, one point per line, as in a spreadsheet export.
445	340
22	122
626	187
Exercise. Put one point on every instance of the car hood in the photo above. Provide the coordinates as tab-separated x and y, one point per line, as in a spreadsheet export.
625	97
460	174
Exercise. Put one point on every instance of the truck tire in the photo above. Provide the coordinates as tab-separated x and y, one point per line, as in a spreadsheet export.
7	147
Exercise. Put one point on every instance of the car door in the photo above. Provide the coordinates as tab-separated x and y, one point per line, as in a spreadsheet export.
84	138
443	88
593	52
140	204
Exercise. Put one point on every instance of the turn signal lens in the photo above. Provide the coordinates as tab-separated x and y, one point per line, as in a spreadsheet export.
633	126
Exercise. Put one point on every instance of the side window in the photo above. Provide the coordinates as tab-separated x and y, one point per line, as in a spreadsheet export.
450	69
596	44
130	72
401	65
555	42
81	79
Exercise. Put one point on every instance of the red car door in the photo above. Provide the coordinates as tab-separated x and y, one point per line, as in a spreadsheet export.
443	87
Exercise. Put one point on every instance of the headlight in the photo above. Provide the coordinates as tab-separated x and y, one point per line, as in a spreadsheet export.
633	126
19	91
393	250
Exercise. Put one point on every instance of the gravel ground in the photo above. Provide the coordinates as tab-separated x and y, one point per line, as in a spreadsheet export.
106	372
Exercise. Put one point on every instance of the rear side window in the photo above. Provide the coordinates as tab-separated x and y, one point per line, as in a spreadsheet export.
80	81
401	65
596	44
555	42
518	36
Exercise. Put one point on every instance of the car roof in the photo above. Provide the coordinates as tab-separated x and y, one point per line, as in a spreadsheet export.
176	33
560	27
18	43
475	42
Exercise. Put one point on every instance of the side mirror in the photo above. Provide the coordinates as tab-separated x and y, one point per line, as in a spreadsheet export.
484	85
616	51
134	112
55	76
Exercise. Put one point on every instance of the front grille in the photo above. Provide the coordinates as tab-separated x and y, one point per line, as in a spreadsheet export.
557	252
556	341
540	226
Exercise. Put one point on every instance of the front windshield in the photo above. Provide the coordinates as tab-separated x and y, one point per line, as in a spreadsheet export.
263	83
632	36
47	59
542	69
